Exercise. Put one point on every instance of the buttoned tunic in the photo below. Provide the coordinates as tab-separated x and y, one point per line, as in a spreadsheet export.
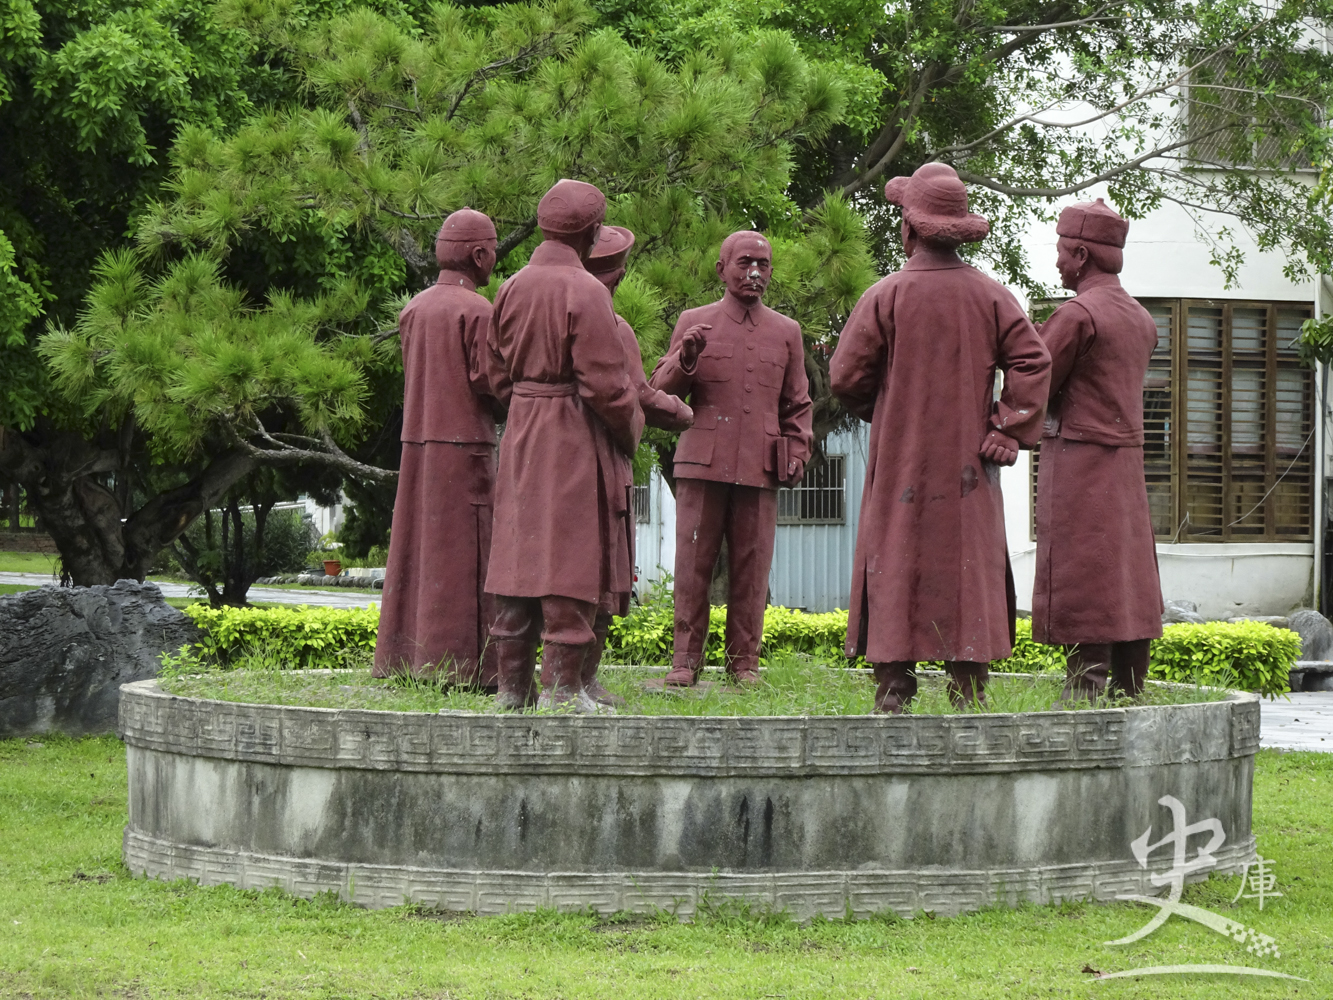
560	506
1097	579
748	388
917	358
434	611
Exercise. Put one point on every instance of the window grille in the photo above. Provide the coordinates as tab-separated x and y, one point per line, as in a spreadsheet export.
821	497
1228	412
643	504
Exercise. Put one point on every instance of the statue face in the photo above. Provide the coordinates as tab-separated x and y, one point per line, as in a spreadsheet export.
1070	260
749	270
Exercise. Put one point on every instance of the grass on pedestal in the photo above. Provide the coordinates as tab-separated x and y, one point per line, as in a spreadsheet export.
75	923
791	685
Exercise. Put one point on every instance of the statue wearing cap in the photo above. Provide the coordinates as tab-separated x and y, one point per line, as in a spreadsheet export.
917	359
561	511
435	616
1097	590
608	263
743	367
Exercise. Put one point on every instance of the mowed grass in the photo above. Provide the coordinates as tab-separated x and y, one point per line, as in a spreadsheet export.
790	685
74	923
28	562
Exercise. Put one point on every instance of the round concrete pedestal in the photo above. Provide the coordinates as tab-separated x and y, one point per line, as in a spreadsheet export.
831	815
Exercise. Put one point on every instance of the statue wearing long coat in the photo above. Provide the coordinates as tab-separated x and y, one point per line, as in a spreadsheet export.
561	510
434	613
917	358
1097	579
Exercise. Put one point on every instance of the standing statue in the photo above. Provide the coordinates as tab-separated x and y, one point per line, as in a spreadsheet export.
743	367
917	358
559	539
435	615
1097	591
607	263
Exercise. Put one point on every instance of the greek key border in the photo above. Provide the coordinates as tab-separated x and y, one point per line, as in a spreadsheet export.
466	743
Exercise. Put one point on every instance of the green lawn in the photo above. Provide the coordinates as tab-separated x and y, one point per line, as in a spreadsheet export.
76	924
28	562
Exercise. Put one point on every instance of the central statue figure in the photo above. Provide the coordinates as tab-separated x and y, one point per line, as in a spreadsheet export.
743	367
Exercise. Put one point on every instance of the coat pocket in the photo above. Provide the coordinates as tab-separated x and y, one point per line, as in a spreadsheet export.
771	435
696	444
772	367
714	363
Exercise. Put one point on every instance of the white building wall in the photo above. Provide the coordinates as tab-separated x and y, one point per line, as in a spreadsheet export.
1166	257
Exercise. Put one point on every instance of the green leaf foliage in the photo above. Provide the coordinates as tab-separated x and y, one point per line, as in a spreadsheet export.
1252	656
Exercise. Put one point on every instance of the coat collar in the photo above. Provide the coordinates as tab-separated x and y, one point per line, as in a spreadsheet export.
926	259
740	313
452	278
553	253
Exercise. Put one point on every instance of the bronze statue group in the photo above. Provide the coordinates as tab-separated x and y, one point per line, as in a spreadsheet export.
489	559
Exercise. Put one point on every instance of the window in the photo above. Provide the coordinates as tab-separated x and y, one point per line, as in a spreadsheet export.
820	499
1228	423
643	503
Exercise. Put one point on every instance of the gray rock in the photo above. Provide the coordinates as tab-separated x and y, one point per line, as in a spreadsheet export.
64	652
1315	631
1181	612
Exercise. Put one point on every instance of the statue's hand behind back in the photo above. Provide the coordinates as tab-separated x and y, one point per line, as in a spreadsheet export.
999	448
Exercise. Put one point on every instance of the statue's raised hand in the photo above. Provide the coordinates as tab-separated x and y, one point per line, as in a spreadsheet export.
692	342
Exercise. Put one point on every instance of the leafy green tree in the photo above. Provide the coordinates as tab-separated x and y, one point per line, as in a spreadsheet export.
92	93
277	366
1218	107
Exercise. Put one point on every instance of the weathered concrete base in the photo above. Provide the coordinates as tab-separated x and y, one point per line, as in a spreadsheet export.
813	815
861	893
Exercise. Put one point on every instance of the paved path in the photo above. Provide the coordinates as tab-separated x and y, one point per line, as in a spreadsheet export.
1302	720
267	595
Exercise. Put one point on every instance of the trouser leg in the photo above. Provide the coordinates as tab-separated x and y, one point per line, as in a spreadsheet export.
514	635
896	686
700	509
751	524
567	639
1086	669
601	626
967	683
1129	666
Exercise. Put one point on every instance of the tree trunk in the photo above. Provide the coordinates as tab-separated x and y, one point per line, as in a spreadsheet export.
99	540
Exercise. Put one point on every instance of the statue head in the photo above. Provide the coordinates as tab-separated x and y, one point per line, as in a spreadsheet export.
745	265
608	260
572	213
934	204
1091	241
466	243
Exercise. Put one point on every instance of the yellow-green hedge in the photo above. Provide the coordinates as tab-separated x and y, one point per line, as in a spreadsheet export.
1249	655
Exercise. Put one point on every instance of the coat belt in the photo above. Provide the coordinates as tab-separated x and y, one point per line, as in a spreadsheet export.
546	390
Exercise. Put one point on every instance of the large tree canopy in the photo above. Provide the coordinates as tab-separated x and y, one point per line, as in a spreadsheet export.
252	322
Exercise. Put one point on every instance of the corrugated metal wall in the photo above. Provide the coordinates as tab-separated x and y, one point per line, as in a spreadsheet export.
812	563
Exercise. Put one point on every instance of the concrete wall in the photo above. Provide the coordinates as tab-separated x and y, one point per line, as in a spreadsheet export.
815	815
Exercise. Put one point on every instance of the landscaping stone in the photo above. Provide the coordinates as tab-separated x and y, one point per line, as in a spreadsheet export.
1182	613
1315	631
65	651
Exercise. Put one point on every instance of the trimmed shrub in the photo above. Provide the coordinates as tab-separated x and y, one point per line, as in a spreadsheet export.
1249	655
300	636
